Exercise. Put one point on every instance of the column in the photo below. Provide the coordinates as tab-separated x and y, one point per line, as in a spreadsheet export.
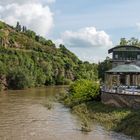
128	80
134	80
118	80
138	78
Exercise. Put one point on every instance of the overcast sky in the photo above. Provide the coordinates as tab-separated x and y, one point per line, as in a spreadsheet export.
86	27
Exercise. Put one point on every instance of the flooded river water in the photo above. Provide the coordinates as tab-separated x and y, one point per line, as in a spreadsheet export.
24	116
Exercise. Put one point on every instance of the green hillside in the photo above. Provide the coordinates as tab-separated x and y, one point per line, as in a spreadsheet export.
28	60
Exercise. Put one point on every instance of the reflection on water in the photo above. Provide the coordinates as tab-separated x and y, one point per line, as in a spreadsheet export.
23	116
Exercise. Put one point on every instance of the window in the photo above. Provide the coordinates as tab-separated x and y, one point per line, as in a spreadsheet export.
138	57
123	79
116	56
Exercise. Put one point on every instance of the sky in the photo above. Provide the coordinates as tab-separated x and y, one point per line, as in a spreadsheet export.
86	27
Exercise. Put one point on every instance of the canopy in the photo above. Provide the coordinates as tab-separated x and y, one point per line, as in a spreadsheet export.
126	68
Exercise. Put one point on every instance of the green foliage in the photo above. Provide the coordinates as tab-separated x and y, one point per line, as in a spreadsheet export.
50	43
43	41
38	61
2	69
123	41
18	79
2	25
131	41
122	120
31	34
40	78
87	71
82	91
130	124
103	67
18	27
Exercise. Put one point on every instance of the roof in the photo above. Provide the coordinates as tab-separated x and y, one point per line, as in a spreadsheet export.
121	46
126	68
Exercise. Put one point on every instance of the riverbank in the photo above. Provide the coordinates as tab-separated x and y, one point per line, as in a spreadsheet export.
83	99
124	120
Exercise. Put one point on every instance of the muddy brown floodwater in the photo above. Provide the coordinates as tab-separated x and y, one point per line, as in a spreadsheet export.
24	115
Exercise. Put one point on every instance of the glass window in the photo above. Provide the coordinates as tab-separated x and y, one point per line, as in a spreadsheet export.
116	56
138	56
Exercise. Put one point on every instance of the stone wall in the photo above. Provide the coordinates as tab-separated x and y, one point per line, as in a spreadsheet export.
121	100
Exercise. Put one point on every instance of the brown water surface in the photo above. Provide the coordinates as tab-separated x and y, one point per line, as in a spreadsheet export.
24	115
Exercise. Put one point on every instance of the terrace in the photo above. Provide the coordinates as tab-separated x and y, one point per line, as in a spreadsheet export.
123	79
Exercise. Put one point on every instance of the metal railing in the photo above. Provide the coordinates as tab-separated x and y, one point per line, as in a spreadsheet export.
133	90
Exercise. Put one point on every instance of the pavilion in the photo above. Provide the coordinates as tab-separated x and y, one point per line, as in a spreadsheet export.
124	76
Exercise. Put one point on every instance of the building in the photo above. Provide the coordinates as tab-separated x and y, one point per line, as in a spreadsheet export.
125	70
123	54
122	82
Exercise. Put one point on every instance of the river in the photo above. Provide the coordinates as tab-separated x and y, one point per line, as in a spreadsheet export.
24	115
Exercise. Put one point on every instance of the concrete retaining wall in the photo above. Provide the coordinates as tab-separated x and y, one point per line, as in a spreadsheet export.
121	100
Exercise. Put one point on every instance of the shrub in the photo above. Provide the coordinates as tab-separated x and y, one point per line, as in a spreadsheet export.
18	79
67	81
82	91
40	79
2	25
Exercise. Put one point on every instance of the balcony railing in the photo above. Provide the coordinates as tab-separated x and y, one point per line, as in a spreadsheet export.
132	90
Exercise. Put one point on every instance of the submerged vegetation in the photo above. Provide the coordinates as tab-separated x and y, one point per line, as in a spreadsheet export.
86	104
124	120
29	60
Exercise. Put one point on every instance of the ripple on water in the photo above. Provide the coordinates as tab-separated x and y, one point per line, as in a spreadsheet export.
24	117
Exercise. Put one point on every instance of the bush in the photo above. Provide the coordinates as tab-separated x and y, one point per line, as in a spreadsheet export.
67	81
18	79
40	79
82	91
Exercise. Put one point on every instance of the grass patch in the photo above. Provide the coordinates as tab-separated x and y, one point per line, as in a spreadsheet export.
82	98
125	120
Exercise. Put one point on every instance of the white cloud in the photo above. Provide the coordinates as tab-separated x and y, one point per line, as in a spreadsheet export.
58	42
86	37
50	1
33	14
5	2
88	43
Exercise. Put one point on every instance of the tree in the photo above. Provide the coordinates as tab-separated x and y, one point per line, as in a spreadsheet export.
131	41
24	29
134	41
50	43
18	79
123	41
18	27
103	67
31	34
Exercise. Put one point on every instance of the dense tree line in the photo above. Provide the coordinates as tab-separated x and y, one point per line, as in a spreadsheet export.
29	61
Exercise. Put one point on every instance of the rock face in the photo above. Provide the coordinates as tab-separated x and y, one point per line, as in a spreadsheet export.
121	100
3	83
